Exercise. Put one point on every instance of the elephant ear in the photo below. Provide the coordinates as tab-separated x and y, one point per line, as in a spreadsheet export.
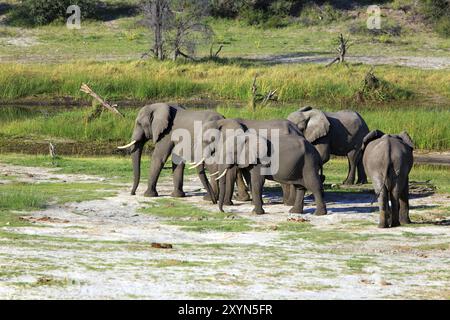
371	136
160	121
252	151
318	125
406	139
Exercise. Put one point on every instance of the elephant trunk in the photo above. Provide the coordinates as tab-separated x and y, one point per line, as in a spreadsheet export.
136	155
206	184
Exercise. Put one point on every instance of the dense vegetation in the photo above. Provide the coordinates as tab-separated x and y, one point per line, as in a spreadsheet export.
148	80
265	13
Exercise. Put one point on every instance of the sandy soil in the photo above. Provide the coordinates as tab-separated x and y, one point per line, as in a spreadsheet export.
408	61
102	249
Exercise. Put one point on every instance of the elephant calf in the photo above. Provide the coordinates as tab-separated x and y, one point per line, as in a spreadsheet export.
388	159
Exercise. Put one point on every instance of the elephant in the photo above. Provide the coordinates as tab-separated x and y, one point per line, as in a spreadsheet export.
299	165
388	160
158	122
285	127
339	133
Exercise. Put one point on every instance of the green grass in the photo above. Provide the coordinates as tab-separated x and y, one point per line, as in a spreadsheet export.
388	118
124	37
428	127
192	218
356	264
25	123
336	172
19	196
112	167
144	80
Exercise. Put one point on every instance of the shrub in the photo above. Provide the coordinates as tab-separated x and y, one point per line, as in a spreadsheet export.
41	12
313	14
226	8
443	26
435	9
438	12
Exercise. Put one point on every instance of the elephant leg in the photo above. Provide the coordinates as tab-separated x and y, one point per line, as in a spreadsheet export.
178	172
257	189
286	189
315	186
352	157
242	194
404	204
159	158
384	208
292	195
395	220
229	186
299	200
362	177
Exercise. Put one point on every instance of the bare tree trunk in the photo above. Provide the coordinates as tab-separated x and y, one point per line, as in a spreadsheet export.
341	50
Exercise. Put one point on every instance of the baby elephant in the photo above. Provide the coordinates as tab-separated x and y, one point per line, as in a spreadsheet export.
388	159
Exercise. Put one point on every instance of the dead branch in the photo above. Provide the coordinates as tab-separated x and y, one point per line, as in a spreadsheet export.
262	99
112	108
341	50
215	55
52	152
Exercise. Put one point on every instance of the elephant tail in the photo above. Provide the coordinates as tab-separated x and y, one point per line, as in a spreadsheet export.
388	172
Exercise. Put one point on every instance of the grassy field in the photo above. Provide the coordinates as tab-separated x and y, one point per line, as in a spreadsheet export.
147	80
427	126
123	37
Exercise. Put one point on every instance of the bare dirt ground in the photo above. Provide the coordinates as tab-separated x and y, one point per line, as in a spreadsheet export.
408	61
102	249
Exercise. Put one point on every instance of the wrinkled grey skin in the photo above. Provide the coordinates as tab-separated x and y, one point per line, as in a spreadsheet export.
339	133
157	122
285	127
388	159
299	165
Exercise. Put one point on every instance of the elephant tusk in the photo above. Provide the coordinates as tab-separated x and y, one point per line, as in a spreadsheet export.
222	175
215	173
128	145
195	165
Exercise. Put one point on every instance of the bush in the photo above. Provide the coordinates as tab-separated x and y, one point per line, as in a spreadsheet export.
226	8
41	12
443	26
435	9
314	14
438	12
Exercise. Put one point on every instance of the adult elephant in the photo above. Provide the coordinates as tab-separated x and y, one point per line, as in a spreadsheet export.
157	122
340	133
388	160
284	127
288	159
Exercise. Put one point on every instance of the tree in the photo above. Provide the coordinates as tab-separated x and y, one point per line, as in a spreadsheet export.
178	26
158	18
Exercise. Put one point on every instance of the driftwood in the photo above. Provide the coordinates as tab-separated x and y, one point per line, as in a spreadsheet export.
421	187
261	98
341	50
89	91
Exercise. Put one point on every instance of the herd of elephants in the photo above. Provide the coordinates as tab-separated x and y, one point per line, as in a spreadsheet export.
305	141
